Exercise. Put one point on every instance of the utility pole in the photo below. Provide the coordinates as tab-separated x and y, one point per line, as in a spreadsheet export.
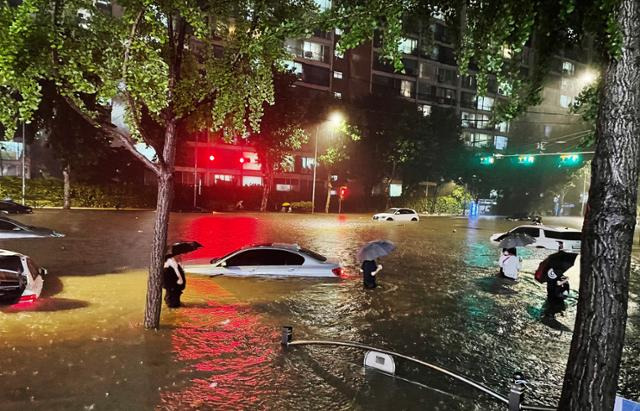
195	172
315	167
24	167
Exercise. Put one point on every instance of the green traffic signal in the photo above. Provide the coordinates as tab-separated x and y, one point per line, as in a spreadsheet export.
569	160
487	161
526	160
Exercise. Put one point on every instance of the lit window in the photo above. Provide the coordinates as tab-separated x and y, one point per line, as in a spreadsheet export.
485	103
503	127
312	51
406	88
308	162
477	140
547	130
323	4
568	68
337	95
408	46
294	66
500	142
565	101
251	181
337	74
222	178
468	119
425	109
283	187
395	190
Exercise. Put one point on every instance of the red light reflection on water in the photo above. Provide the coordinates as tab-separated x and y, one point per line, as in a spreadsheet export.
220	235
227	352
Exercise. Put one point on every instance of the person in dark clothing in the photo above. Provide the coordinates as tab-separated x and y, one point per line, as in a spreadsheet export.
173	280
369	270
557	292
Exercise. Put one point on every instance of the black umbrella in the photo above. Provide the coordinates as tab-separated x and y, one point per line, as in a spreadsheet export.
516	240
561	261
183	247
375	249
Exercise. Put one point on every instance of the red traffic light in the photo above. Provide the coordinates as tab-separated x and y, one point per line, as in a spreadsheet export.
343	191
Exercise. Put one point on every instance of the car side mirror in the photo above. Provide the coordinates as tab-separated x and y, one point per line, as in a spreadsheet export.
396	213
223	264
42	271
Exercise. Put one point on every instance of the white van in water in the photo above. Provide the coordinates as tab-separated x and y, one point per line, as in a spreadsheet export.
551	238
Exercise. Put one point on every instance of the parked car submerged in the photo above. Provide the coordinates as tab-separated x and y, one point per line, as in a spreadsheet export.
21	280
11	207
280	260
13	229
397	214
551	238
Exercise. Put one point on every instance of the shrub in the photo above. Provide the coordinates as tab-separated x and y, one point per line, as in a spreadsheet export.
302	206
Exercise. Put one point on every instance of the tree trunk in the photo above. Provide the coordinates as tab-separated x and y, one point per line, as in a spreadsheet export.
268	183
329	187
594	360
66	171
158	247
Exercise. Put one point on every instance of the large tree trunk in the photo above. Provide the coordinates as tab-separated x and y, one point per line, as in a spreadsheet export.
158	247
594	360
329	187
268	183
66	171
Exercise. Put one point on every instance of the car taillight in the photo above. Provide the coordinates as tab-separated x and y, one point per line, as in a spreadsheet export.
27	298
338	271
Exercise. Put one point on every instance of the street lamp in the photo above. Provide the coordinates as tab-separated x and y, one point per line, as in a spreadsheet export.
334	120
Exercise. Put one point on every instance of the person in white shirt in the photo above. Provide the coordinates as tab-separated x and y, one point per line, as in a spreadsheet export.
509	264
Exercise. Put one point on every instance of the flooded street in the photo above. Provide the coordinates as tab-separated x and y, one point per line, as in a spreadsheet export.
81	346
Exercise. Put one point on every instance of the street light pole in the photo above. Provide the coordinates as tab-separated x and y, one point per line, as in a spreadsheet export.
315	167
195	173
24	168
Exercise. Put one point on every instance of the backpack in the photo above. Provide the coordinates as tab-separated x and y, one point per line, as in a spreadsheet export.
541	273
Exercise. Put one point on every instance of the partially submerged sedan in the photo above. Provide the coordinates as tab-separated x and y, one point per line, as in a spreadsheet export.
13	229
21	279
8	206
551	238
397	214
274	259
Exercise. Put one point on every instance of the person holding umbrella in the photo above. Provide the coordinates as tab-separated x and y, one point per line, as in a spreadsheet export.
509	262
557	283
368	254
174	280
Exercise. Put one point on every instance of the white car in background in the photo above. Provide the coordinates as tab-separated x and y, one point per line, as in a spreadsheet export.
274	259
551	238
397	214
21	279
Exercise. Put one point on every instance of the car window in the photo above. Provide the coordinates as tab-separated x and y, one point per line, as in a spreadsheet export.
406	211
265	257
5	225
563	235
313	254
533	232
391	210
11	263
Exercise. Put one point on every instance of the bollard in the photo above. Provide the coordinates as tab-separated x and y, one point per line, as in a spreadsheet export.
287	335
516	395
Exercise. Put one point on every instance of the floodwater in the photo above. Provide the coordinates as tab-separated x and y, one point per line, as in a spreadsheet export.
81	346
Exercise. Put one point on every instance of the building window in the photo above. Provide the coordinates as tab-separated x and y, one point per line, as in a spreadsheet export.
500	142
484	103
477	140
307	163
337	74
312	51
407	88
565	101
568	68
323	4
408	46
395	190
337	95
295	67
547	130
425	109
447	76
427	70
222	178
248	181
503	127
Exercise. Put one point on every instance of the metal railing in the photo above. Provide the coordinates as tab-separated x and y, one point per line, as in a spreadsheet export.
518	385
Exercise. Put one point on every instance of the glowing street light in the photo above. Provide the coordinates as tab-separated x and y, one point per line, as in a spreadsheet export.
587	77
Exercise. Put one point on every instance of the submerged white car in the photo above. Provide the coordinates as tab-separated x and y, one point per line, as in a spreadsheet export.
397	214
551	238
275	259
21	279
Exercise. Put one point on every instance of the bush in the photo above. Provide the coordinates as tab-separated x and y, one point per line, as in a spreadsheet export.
49	192
302	206
454	203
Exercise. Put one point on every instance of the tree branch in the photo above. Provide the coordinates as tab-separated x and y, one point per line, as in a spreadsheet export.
126	140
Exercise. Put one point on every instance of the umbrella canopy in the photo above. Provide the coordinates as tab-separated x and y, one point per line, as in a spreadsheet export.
183	247
375	249
561	261
516	240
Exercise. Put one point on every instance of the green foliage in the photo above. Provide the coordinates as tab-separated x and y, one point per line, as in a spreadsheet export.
301	206
49	193
453	203
586	104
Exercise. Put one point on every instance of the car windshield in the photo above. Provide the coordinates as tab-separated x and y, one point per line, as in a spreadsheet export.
313	254
391	210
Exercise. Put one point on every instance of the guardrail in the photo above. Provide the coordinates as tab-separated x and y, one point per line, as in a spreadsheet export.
518	384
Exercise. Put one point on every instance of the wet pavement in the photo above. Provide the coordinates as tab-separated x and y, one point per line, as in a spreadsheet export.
81	346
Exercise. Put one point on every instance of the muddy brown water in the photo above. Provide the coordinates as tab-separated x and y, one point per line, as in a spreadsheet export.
81	345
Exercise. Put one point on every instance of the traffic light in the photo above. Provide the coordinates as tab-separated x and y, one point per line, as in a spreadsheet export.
526	160
211	157
569	160
487	160
343	192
